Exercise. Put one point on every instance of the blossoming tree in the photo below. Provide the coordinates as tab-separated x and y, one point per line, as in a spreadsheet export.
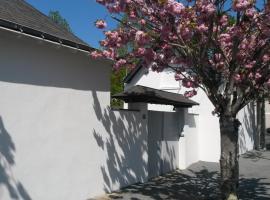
221	47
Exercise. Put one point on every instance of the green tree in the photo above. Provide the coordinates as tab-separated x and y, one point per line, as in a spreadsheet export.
56	17
117	86
228	59
117	77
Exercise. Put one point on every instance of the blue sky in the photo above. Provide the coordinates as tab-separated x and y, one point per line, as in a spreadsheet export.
81	15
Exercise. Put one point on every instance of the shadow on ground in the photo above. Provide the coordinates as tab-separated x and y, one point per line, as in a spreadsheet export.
201	182
186	185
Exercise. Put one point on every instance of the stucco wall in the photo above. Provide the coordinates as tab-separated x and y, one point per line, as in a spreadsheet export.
267	114
248	128
58	137
208	129
163	139
124	147
194	146
188	142
205	128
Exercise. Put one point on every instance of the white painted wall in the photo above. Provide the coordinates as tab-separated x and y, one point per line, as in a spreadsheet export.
267	114
202	140
125	148
247	130
163	139
58	137
188	143
194	146
60	140
208	129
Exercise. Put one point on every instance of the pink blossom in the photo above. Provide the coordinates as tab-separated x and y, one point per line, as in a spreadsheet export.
115	8
149	55
210	9
266	58
141	38
186	32
224	20
120	63
202	28
217	57
179	77
110	53
237	77
258	75
103	43
241	5
171	33
206	8
187	83
140	51
268	83
132	14
166	31
142	22
175	7
96	54
250	12
225	37
101	24
189	94
250	65
251	75
103	2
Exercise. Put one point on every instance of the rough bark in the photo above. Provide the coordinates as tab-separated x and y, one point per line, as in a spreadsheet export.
229	159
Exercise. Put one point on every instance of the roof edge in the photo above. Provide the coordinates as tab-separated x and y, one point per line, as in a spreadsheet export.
45	36
129	98
128	78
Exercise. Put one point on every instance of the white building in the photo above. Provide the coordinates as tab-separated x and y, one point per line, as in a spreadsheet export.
201	141
59	139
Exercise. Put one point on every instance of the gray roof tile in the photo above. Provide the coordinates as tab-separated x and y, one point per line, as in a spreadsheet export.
21	13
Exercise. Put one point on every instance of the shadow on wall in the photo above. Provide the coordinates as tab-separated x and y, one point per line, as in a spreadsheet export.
163	137
199	182
125	145
248	124
190	120
7	179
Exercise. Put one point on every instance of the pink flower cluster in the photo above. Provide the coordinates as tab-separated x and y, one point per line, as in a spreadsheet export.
101	24
194	36
175	7
141	38
206	7
189	94
242	5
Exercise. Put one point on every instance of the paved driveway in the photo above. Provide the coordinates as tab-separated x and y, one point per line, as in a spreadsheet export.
200	182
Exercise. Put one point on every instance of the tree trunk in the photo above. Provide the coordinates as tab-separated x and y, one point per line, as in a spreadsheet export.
229	160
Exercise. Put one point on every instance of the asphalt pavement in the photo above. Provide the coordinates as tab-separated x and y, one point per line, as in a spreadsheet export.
200	182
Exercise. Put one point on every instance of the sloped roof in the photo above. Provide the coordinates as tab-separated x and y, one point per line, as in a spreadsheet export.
144	94
132	74
19	15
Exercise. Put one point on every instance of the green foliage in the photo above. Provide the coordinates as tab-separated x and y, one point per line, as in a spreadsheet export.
56	17
117	86
117	77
